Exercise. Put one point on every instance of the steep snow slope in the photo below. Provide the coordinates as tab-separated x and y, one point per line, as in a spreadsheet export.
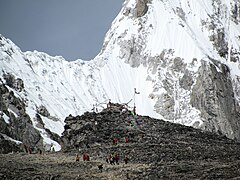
162	48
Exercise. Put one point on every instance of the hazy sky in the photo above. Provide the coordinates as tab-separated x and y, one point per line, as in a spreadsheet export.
70	28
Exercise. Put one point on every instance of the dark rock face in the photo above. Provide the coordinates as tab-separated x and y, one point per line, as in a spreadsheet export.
20	126
213	95
235	11
16	84
7	146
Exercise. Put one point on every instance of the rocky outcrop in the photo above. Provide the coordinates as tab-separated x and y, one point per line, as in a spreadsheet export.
7	146
98	129
15	83
42	110
235	11
94	128
14	122
213	95
141	7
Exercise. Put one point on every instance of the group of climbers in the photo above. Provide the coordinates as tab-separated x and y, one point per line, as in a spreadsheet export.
86	157
115	140
115	158
112	160
27	149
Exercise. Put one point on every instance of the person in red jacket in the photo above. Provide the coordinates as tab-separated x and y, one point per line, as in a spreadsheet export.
114	140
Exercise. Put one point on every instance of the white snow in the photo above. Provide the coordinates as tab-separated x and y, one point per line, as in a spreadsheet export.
12	112
5	117
10	139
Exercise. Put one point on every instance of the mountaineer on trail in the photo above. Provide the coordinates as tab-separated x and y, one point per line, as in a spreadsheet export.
86	157
114	140
77	157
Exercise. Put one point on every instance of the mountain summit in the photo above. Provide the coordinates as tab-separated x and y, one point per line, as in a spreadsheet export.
174	60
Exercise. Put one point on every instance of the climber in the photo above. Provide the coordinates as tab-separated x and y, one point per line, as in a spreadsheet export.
100	167
84	157
87	158
77	157
126	159
111	160
114	140
126	139
107	159
116	158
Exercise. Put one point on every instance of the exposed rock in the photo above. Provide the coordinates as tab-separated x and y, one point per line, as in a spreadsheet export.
53	136
186	81
141	7
39	120
43	111
165	106
181	13
213	95
235	11
19	126
16	84
31	136
7	146
178	65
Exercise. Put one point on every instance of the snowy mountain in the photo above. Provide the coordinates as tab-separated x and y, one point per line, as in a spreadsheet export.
183	57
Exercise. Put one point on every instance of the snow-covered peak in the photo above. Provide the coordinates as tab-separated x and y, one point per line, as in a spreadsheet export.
191	28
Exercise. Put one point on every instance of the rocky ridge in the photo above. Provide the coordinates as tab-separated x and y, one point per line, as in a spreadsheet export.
97	130
18	129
